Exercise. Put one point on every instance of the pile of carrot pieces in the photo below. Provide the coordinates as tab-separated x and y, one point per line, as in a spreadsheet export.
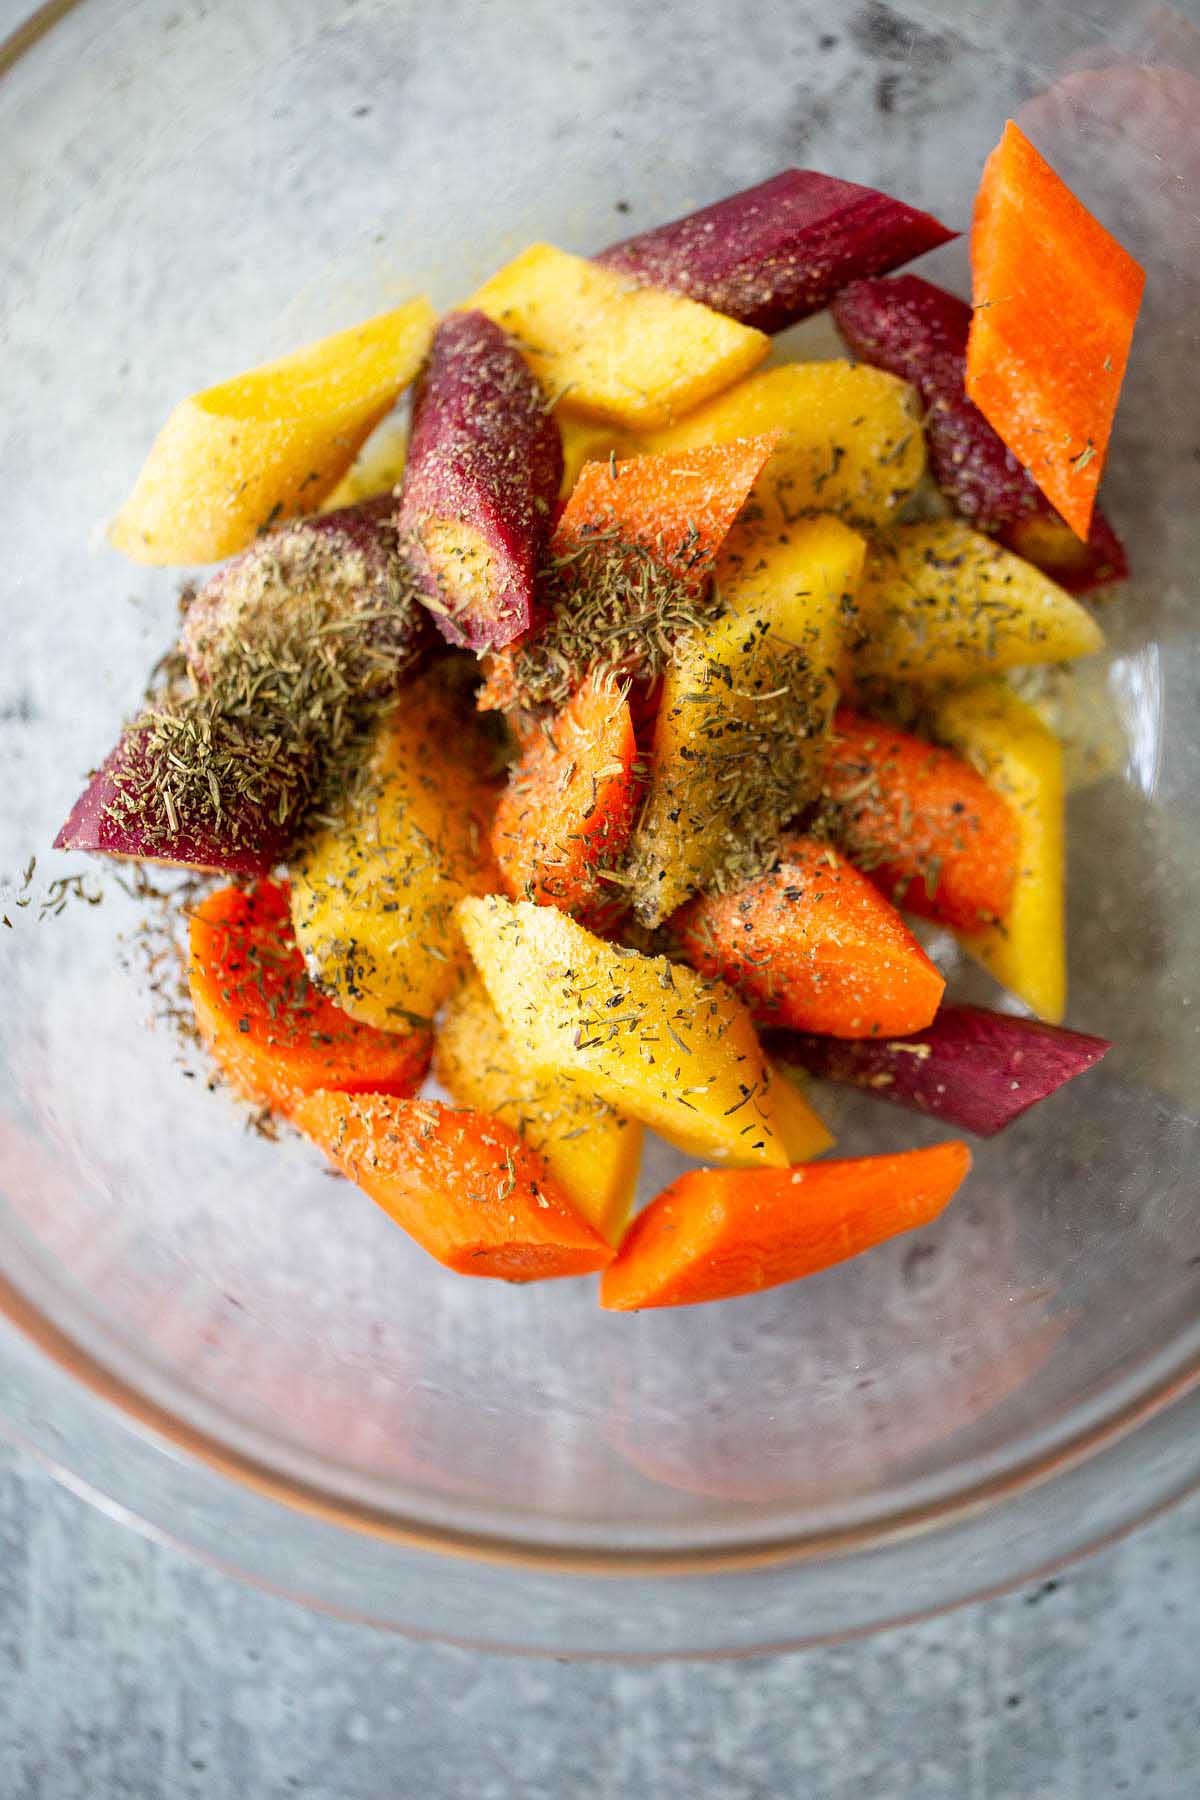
610	754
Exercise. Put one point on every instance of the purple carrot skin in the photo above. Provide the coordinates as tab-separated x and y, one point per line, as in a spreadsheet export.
110	818
974	1069
777	252
481	481
918	331
349	560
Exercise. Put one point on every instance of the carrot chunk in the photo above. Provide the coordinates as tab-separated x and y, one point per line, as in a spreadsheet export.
630	559
463	1185
779	251
972	1068
273	1034
1056	297
679	505
919	332
924	825
815	946
484	469
717	1233
567	812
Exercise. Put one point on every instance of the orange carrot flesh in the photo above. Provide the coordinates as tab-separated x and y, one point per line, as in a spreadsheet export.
273	1034
921	822
718	1233
636	538
1055	300
463	1185
567	812
814	940
679	505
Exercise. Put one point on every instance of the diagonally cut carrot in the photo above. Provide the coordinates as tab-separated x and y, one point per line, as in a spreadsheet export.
274	1036
629	560
776	252
1021	757
633	357
483	472
679	505
919	332
921	822
462	1184
717	1233
940	603
1056	297
972	1068
269	443
815	946
591	1150
649	1036
567	812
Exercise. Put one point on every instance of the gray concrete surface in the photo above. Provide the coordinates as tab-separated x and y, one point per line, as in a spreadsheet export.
129	1673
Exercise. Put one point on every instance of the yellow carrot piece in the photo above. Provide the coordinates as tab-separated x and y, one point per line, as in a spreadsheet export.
633	356
852	442
592	1151
1013	750
270	443
939	602
650	1037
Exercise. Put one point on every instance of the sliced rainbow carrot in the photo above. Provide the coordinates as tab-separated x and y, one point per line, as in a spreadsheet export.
921	822
568	809
717	1233
466	1187
814	945
274	1035
1056	297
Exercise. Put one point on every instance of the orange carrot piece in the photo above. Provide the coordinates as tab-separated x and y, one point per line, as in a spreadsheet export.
717	1233
568	809
679	505
921	822
273	1034
670	511
815	941
1056	297
463	1185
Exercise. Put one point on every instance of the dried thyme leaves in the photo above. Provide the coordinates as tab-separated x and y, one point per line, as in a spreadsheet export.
738	754
291	656
155	948
611	607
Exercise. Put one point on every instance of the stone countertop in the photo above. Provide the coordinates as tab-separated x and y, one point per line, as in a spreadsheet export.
127	1672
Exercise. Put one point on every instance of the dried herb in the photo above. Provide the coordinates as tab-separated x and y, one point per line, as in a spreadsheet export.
58	895
289	657
63	890
609	606
737	755
155	949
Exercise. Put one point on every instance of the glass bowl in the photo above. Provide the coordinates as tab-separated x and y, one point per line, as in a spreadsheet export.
199	1327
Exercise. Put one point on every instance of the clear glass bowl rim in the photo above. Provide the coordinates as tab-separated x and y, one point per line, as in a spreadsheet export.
1084	1492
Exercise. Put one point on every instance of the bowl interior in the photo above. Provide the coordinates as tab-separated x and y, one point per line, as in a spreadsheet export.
188	191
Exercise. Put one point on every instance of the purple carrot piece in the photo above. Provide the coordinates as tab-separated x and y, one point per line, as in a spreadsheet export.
348	562
114	817
316	620
777	252
974	1069
918	331
481	482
